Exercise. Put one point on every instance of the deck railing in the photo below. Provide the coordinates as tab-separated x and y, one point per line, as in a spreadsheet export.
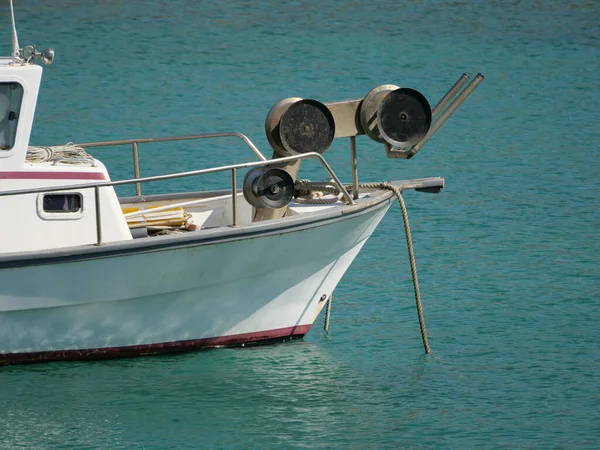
135	142
232	168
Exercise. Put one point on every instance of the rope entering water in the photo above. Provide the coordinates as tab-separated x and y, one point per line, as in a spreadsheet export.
304	185
327	313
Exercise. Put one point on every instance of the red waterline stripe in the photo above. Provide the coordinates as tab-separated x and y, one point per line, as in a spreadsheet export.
51	175
235	340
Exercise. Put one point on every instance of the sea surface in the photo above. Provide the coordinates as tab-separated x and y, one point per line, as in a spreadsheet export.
508	253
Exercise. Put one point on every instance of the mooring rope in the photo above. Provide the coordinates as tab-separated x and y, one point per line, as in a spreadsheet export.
304	185
327	313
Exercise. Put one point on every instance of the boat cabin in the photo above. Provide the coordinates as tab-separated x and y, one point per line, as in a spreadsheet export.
38	221
55	217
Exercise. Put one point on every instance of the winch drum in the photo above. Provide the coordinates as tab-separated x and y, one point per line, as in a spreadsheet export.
296	126
268	187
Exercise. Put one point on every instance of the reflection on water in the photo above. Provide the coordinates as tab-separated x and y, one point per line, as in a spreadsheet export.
293	393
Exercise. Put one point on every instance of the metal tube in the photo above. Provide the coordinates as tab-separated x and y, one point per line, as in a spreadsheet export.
98	217
449	95
324	163
338	183
460	98
234	196
177	138
354	167
136	168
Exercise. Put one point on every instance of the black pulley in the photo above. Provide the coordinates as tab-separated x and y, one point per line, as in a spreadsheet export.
306	126
404	117
268	187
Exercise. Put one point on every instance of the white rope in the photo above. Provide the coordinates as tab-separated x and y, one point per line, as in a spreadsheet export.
68	154
15	39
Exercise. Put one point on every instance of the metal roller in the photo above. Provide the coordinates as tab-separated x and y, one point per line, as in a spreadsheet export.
268	187
404	117
272	124
306	126
369	108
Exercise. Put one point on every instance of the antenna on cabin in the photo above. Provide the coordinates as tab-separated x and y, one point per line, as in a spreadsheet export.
29	53
15	39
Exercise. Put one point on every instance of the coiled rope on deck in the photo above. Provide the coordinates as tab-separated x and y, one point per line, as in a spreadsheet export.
303	186
66	154
310	192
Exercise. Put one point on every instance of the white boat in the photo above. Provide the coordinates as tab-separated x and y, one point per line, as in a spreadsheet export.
85	274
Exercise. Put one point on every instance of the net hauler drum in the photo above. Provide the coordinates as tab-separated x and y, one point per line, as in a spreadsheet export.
272	123
404	117
369	108
268	187
295	126
396	116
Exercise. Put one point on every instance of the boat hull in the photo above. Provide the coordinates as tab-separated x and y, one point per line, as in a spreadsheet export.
261	288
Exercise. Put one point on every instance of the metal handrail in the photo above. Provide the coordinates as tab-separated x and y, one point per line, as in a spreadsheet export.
134	144
171	176
232	167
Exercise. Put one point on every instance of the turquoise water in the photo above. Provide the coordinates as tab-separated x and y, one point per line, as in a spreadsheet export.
507	254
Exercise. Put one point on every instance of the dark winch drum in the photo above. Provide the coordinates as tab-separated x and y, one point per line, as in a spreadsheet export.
268	187
306	126
404	117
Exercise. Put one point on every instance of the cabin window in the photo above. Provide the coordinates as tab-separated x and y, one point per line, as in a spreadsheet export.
11	95
62	203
